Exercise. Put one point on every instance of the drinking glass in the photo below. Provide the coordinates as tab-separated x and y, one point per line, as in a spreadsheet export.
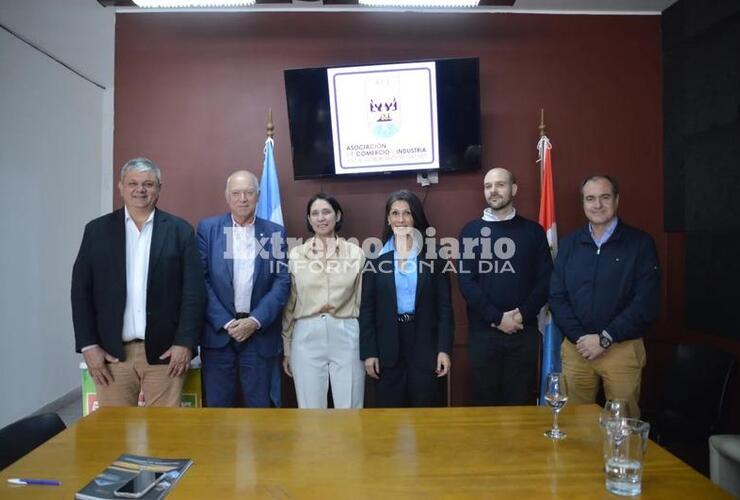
556	396
613	409
623	464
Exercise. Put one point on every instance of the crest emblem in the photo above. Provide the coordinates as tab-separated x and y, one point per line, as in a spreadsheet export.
383	106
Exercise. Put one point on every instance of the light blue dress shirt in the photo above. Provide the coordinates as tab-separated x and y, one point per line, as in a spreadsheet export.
607	233
405	278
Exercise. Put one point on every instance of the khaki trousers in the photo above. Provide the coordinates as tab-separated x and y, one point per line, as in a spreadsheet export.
136	375
619	369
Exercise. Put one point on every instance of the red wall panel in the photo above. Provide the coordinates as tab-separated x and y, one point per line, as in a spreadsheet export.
193	90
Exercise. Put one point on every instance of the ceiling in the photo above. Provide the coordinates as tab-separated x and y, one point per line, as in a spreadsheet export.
633	7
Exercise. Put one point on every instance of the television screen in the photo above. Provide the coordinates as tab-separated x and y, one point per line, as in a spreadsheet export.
384	118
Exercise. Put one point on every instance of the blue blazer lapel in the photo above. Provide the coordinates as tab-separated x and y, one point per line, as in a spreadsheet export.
259	233
227	243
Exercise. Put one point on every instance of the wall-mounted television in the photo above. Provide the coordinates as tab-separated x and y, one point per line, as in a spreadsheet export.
384	118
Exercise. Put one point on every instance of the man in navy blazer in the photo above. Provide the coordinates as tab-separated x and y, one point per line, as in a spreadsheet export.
247	280
138	296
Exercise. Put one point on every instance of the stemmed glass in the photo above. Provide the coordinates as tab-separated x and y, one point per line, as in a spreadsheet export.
613	409
556	396
611	415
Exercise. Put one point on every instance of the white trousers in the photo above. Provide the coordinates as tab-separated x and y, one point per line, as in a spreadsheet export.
327	349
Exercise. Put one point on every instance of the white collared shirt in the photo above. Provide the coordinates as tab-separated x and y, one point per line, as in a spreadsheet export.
138	247
244	251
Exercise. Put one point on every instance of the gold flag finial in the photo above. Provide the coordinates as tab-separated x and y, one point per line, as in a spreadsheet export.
270	125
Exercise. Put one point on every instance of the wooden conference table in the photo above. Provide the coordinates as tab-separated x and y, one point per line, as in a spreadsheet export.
373	453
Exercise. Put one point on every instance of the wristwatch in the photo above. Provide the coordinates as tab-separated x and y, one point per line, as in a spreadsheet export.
604	341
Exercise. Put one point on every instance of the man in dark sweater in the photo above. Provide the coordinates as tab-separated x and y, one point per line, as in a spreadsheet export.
604	294
504	274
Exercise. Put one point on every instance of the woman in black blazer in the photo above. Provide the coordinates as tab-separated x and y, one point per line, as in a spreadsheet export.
406	325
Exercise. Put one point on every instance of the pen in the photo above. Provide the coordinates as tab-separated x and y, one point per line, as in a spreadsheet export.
41	482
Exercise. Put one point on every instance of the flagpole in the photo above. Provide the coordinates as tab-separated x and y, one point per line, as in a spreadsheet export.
544	314
540	147
551	337
269	207
542	122
270	125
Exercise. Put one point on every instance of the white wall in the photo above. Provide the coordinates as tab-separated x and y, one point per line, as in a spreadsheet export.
56	136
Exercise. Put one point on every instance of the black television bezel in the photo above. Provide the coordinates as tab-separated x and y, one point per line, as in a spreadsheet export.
448	121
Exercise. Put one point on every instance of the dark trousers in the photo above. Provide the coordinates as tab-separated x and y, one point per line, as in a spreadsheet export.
504	367
406	385
235	366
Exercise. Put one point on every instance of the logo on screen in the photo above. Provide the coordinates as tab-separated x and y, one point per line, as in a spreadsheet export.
384	111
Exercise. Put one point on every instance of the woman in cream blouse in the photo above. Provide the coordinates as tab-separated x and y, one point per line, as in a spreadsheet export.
320	329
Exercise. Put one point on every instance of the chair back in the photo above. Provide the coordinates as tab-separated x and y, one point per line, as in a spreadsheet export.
724	462
696	387
19	438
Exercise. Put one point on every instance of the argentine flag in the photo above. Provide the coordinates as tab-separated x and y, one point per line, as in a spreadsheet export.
268	207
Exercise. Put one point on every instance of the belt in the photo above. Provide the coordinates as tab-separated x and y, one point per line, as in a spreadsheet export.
133	341
406	318
241	315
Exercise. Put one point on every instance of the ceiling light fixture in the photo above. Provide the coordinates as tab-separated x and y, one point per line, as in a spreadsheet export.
175	4
421	3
